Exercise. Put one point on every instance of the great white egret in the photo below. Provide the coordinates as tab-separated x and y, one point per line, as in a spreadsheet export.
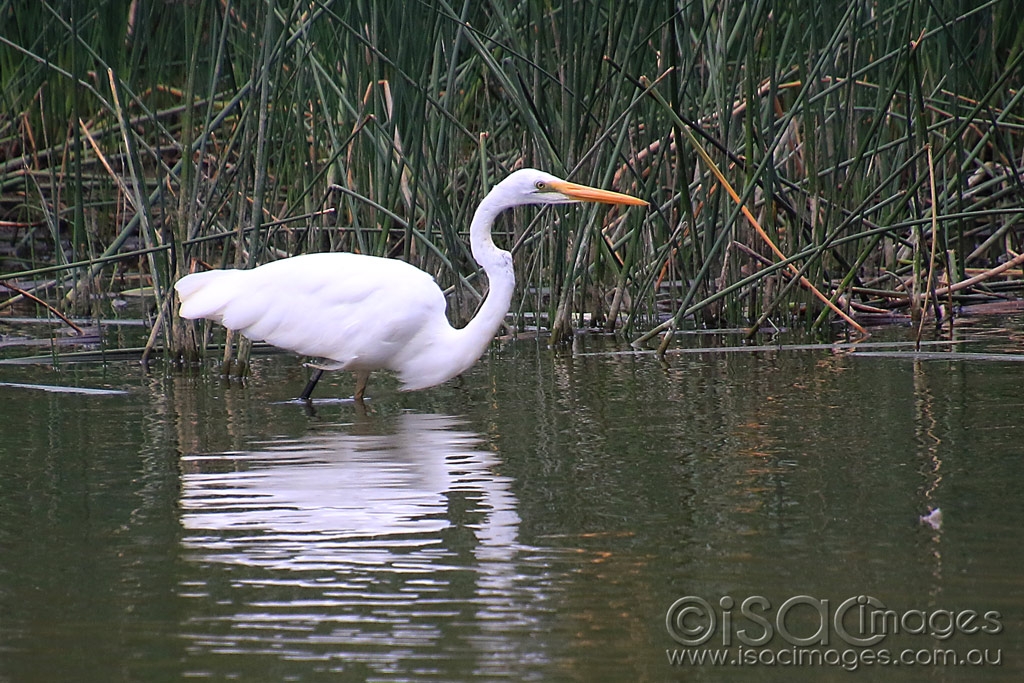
363	313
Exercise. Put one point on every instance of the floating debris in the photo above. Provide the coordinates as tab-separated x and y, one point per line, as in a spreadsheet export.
933	518
56	389
943	355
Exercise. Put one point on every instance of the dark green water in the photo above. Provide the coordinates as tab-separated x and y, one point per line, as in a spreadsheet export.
535	522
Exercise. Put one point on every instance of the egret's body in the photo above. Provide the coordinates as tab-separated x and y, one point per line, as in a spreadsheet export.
363	313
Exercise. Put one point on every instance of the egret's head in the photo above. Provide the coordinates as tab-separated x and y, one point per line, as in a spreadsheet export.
530	186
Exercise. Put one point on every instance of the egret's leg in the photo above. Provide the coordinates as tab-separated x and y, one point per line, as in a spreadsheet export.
361	378
317	373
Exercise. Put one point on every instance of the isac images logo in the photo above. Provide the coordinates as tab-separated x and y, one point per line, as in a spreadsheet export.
807	631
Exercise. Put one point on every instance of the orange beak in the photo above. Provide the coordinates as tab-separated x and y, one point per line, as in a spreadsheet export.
583	193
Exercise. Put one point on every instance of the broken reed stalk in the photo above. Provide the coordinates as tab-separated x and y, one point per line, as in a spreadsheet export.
28	295
981	277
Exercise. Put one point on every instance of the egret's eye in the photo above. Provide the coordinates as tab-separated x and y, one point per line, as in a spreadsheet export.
541	186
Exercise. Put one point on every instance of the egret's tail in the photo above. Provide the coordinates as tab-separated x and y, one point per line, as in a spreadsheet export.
207	295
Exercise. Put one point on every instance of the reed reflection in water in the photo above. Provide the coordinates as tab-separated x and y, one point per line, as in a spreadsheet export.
376	551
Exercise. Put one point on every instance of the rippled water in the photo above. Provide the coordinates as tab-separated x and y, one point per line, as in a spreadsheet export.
382	551
534	522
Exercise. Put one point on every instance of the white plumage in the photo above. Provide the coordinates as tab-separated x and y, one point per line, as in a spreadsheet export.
364	313
343	308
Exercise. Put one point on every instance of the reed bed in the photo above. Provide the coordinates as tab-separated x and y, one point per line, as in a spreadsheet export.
816	164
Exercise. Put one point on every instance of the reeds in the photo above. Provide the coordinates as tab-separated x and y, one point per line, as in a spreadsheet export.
856	161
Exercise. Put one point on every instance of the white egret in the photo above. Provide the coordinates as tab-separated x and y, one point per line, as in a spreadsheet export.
363	313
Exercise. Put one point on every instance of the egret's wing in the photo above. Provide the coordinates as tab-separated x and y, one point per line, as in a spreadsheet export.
353	309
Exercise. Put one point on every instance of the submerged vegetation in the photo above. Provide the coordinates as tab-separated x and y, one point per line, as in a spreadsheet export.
807	162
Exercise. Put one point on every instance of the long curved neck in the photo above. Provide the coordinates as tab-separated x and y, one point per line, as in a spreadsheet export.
497	264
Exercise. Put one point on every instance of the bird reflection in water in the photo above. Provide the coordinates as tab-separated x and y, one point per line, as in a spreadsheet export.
344	546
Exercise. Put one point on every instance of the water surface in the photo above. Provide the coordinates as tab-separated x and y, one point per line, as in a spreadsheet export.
534	521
